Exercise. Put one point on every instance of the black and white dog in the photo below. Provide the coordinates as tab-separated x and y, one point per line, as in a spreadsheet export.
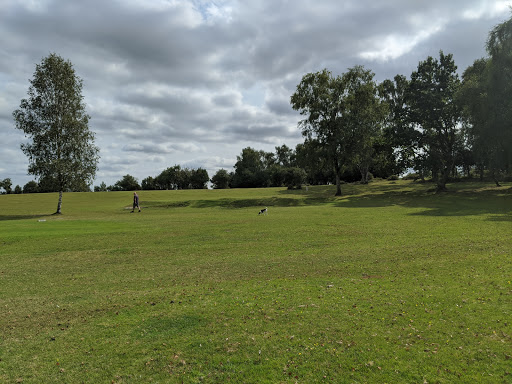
263	211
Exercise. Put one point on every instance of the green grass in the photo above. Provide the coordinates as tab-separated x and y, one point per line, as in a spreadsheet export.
389	283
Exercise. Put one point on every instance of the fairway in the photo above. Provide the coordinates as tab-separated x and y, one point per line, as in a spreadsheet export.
389	283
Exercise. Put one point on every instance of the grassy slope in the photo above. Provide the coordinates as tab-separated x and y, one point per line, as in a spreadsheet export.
388	283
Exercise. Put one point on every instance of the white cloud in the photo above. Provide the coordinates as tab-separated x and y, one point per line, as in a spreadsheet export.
394	46
195	81
487	9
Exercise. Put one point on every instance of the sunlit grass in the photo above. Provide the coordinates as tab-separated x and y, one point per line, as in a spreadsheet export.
387	283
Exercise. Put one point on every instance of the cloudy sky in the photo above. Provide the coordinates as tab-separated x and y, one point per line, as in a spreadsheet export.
193	82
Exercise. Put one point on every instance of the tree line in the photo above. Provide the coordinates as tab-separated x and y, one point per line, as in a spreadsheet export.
435	124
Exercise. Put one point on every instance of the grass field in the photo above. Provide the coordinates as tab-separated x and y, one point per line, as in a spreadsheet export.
389	283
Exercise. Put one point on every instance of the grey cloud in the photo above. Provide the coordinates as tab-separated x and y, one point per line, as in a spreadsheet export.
196	81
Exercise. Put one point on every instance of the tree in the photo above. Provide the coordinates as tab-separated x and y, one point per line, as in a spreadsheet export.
31	187
127	183
436	114
319	97
148	183
498	124
250	170
343	114
473	100
54	119
285	156
17	190
6	185
101	188
365	114
294	177
398	133
199	178
221	179
311	156
169	178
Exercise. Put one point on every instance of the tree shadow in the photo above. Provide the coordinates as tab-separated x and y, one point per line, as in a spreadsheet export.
248	203
461	200
21	217
456	203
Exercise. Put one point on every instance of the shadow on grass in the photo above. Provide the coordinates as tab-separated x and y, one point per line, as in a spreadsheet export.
461	200
21	217
248	203
241	203
456	203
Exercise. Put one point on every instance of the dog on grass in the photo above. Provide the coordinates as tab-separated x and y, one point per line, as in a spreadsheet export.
263	211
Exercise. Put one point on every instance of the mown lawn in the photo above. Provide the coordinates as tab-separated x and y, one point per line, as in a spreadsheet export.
389	283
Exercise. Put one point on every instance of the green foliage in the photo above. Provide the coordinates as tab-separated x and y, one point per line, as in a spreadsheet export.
399	134
285	156
127	183
436	114
294	177
344	115
199	178
177	178
221	179
31	187
251	169
387	284
6	184
61	147
101	188
17	190
486	97
312	158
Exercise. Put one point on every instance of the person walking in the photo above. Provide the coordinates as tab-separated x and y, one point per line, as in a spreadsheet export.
135	201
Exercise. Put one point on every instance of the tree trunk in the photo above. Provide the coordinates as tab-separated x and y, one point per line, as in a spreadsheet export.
364	175
441	181
337	171
59	205
495	178
338	184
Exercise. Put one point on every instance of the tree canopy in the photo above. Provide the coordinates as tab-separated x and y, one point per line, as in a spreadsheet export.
53	117
344	115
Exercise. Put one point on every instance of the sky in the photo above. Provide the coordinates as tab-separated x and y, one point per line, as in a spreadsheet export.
193	82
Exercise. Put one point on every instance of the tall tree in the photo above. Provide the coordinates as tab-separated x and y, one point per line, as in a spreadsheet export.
473	99
436	114
399	133
365	114
221	179
199	178
344	115
127	183
499	47
251	169
53	117
6	184
285	156
169	178
319	97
